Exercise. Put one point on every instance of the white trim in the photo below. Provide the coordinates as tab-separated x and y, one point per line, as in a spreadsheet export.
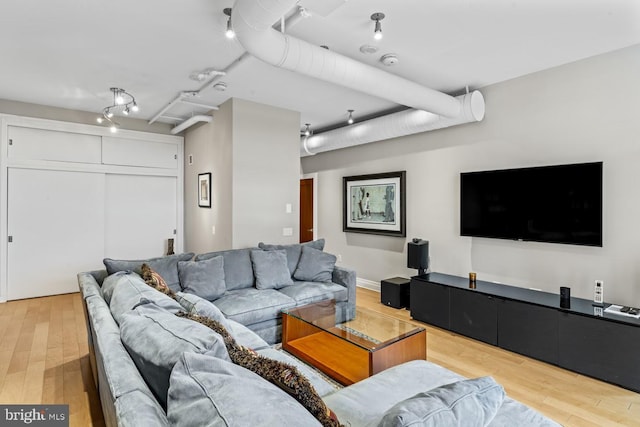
314	176
368	284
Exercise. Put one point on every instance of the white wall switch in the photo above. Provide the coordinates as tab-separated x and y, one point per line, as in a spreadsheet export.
287	231
213	229
288	208
598	292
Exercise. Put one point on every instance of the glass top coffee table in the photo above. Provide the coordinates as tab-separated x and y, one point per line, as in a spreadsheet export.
354	350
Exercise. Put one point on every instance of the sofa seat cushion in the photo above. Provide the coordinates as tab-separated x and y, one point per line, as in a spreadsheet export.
251	305
238	271
466	403
364	403
209	391
308	292
166	266
156	339
127	291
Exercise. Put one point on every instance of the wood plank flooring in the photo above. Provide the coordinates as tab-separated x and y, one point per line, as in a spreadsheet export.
568	398
44	359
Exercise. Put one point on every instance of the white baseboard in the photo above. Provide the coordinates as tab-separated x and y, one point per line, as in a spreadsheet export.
368	284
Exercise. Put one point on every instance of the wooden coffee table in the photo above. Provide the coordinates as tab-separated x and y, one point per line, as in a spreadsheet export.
354	350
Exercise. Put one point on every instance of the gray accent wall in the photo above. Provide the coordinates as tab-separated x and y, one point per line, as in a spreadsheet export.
580	112
252	151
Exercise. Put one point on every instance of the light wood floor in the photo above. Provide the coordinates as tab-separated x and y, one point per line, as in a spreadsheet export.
44	359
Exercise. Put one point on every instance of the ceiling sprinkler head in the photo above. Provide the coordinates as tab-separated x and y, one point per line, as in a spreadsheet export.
220	86
389	59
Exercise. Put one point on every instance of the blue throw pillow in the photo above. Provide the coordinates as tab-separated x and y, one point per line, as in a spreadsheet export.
315	265
467	403
293	251
270	269
203	278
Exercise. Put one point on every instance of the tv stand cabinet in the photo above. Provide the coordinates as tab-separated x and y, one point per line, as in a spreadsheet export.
604	346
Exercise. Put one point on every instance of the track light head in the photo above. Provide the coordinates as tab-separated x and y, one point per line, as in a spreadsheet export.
350	119
230	34
307	129
377	31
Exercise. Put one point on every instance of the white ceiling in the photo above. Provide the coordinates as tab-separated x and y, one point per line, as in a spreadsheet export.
68	53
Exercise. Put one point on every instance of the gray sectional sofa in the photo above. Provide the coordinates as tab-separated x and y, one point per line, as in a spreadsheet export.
253	285
154	368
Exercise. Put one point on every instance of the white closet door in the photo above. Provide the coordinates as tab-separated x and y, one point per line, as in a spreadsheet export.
56	222
141	214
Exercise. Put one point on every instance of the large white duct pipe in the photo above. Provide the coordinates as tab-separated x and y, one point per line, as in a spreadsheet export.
252	22
403	123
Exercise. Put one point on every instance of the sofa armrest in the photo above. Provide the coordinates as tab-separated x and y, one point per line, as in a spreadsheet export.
347	278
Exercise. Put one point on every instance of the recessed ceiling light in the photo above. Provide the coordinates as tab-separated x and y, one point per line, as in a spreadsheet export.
368	49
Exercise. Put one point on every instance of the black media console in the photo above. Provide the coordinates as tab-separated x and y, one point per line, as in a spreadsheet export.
581	338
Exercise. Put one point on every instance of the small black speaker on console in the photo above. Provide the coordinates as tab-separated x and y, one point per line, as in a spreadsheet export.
418	255
565	297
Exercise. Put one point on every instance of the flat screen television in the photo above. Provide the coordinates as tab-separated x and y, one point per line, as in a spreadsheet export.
557	204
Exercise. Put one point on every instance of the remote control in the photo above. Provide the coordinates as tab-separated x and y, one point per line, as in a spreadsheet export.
598	294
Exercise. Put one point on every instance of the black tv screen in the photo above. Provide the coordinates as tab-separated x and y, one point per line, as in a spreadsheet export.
558	204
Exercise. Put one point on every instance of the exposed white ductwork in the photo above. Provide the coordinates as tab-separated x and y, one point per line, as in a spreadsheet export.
394	125
252	22
190	122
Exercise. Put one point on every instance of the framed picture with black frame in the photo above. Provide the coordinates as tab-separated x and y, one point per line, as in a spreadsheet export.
204	190
375	204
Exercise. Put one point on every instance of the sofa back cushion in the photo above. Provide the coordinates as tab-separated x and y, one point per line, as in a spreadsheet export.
468	403
166	266
208	391
127	289
315	265
238	272
293	251
204	278
270	269
156	339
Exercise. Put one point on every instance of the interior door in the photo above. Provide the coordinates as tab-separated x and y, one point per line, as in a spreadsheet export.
141	214
56	227
306	210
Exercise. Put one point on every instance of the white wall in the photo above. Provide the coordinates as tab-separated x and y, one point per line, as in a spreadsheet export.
253	154
581	112
266	173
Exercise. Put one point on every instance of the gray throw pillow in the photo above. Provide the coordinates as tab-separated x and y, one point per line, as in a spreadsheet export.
166	266
468	403
210	391
203	278
293	251
238	272
156	339
315	265
270	269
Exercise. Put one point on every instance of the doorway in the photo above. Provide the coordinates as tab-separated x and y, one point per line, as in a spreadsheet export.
306	209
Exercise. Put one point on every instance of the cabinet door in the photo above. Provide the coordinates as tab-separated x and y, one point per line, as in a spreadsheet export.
528	329
601	349
56	221
430	303
474	315
141	214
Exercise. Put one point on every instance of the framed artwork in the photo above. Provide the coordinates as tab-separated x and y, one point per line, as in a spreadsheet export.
375	204
204	190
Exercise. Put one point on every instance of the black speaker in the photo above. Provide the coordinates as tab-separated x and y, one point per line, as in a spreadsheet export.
565	297
418	255
394	292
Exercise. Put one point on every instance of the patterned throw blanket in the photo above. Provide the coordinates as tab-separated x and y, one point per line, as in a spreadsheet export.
283	375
